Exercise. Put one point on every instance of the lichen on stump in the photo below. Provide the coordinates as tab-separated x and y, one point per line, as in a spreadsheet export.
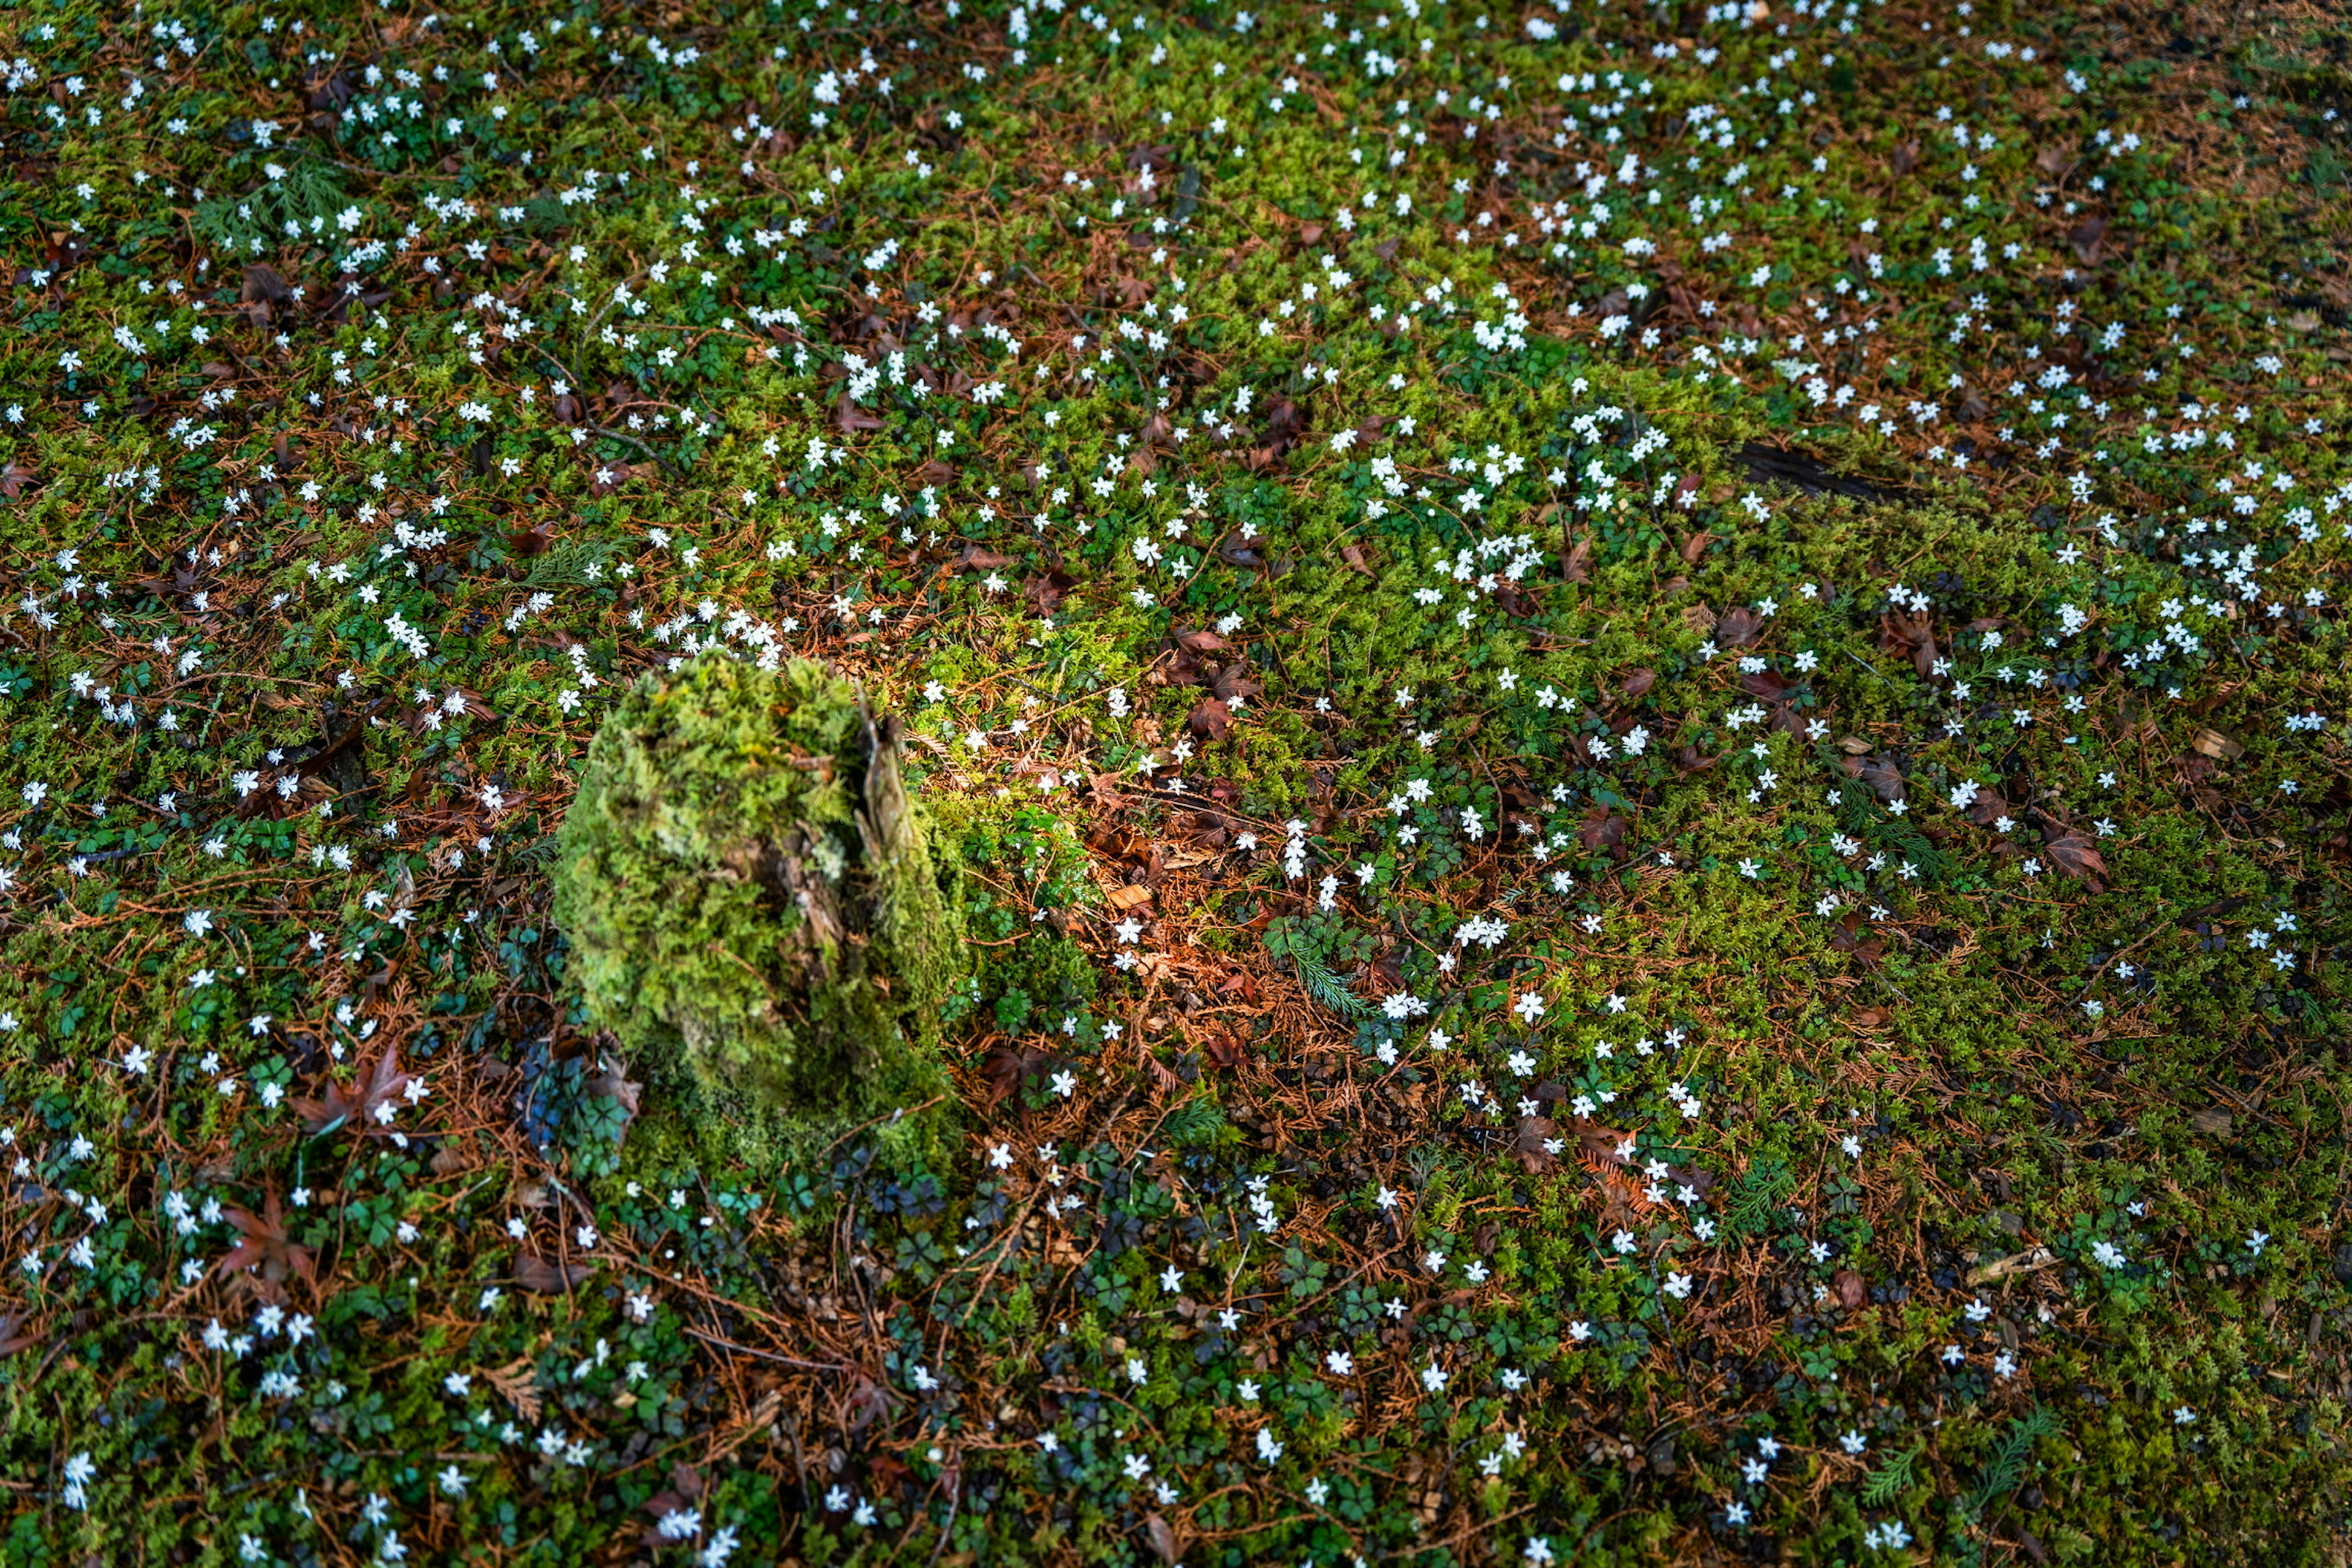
749	893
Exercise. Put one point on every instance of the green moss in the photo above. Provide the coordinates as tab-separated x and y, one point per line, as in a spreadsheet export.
752	896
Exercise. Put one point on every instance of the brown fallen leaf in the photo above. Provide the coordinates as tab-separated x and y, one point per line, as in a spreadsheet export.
1166	1543
263	1244
2215	744
262	283
2077	857
1879	772
361	1105
1007	1065
12	1336
550	1276
1738	626
1211	717
1603	829
1198	641
1851	1292
2085	237
2212	1121
1528	1144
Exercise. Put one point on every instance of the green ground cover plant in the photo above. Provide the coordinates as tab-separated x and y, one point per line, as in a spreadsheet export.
1620	819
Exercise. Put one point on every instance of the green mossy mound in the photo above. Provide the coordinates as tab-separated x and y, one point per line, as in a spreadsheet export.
753	899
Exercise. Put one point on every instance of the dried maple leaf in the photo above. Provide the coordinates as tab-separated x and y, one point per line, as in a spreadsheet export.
550	1276
1846	937
263	1244
1201	641
1851	1293
1878	772
1738	626
14	479
363	1105
1603	829
1211	717
1532	1143
685	1486
1007	1065
1235	680
1577	567
2077	857
1898	631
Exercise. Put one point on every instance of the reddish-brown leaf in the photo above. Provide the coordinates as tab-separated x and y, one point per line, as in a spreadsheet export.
1578	567
1738	626
1528	1143
1167	1543
2076	856
1988	807
1198	641
1603	829
358	1106
548	1276
1849	1287
851	419
263	1244
1878	772
1211	717
1006	1065
1235	680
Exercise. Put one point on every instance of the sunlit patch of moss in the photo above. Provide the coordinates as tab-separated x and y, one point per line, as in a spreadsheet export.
752	897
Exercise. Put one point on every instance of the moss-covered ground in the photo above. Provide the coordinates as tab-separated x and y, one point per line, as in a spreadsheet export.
1644	708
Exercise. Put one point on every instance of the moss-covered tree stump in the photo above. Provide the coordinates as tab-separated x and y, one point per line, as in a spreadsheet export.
750	894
